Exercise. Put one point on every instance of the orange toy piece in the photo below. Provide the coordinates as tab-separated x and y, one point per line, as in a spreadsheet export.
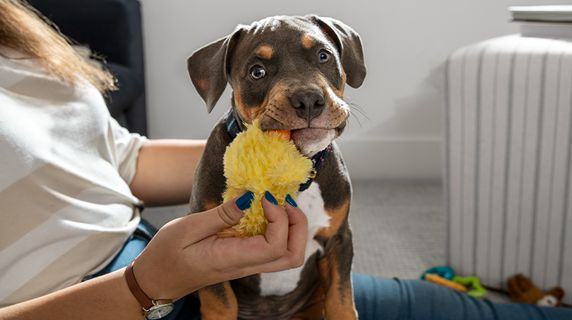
444	282
284	134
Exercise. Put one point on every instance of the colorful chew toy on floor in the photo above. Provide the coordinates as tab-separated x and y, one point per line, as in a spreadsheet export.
521	289
260	161
445	276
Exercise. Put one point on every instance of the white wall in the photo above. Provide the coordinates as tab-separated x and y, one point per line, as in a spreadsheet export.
397	132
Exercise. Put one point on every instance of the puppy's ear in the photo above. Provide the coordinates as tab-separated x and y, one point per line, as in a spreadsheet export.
209	67
349	45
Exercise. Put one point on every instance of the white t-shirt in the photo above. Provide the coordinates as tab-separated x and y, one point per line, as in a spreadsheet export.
65	167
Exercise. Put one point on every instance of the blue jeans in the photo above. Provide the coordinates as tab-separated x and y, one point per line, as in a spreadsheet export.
377	298
394	299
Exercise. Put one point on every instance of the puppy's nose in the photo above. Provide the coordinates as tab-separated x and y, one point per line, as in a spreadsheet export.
309	104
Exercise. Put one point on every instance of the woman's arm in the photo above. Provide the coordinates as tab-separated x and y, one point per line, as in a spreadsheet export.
165	171
184	256
105	297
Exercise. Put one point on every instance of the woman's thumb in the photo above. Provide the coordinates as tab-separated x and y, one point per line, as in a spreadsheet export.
224	216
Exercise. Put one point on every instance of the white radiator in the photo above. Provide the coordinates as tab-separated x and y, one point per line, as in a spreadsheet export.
509	155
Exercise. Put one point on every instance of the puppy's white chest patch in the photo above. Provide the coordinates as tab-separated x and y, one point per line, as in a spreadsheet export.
311	203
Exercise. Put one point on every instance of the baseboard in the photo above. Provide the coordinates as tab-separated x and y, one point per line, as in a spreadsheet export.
393	158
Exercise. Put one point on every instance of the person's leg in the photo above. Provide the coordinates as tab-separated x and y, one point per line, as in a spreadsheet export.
376	298
392	299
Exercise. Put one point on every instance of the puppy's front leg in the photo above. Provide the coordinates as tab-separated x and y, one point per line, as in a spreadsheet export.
335	267
218	302
337	283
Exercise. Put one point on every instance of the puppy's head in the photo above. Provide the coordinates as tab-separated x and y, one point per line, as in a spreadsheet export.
289	72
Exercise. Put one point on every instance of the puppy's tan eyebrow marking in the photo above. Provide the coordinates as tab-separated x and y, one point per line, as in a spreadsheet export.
264	51
307	41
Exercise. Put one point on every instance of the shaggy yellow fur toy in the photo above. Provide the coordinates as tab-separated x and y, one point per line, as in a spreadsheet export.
259	161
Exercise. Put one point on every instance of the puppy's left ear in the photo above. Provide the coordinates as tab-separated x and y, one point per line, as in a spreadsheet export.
349	45
208	67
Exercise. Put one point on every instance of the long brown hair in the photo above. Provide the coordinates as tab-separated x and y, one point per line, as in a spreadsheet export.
26	31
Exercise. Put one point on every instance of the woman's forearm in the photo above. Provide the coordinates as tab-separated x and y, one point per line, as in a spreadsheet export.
165	171
105	297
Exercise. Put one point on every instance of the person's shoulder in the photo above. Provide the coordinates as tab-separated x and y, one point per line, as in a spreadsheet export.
16	67
24	77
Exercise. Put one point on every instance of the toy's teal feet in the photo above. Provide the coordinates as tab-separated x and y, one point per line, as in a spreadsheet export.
445	272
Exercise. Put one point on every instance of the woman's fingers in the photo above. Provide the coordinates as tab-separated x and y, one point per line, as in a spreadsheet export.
276	234
283	244
207	223
297	234
281	247
296	246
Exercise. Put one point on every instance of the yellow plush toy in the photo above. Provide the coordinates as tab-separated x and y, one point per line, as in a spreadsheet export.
260	161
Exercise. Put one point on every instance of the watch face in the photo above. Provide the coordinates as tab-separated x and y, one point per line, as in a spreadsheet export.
158	312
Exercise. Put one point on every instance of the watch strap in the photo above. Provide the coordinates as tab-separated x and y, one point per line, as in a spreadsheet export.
145	302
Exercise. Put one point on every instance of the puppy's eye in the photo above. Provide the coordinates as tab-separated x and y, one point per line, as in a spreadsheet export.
257	72
323	56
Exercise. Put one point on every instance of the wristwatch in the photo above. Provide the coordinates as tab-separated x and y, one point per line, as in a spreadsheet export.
152	309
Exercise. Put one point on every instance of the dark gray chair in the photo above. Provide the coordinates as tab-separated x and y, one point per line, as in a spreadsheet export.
113	30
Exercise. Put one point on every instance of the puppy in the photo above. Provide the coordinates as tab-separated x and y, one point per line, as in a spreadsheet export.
290	73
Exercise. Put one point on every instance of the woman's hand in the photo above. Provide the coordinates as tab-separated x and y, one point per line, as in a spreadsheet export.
186	254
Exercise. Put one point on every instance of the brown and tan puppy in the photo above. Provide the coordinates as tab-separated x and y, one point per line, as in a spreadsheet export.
290	73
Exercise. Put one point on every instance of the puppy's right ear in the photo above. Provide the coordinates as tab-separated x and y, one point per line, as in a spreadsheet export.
209	67
349	44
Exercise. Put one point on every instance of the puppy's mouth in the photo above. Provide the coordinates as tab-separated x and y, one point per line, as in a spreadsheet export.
308	139
312	140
